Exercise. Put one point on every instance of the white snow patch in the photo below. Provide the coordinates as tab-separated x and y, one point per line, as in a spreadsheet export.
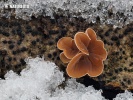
40	80
88	9
124	96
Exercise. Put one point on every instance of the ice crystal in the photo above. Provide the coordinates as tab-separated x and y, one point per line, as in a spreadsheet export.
39	79
124	96
116	12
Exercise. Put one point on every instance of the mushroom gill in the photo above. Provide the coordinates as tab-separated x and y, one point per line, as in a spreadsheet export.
68	46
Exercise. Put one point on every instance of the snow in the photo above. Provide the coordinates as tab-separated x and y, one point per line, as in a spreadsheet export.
40	80
88	9
37	80
124	96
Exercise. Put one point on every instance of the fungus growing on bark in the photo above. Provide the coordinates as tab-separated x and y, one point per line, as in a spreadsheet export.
82	42
88	59
94	46
63	58
68	46
91	33
83	64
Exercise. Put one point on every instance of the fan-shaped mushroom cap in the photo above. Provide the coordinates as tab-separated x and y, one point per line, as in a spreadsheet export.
63	58
68	46
82	41
72	51
97	48
78	66
64	43
97	66
83	64
91	33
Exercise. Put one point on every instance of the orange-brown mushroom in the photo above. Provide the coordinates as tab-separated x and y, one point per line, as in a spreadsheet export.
78	66
63	58
97	66
84	54
82	42
83	64
87	45
90	60
97	48
91	33
64	43
68	46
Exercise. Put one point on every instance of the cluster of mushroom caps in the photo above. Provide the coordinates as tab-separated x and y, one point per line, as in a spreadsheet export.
84	54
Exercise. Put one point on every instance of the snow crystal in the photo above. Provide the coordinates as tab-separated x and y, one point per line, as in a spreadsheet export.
41	80
89	9
38	80
124	96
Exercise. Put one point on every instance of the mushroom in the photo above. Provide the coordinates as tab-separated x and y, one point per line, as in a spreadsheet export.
78	66
90	60
64	43
68	46
84	55
82	64
91	33
63	58
82	42
96	48
88	44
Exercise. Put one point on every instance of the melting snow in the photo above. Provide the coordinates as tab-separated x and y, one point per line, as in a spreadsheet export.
40	80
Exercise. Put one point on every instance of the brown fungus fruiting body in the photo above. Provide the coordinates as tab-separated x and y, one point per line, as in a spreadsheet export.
68	46
82	42
83	64
63	58
84	55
